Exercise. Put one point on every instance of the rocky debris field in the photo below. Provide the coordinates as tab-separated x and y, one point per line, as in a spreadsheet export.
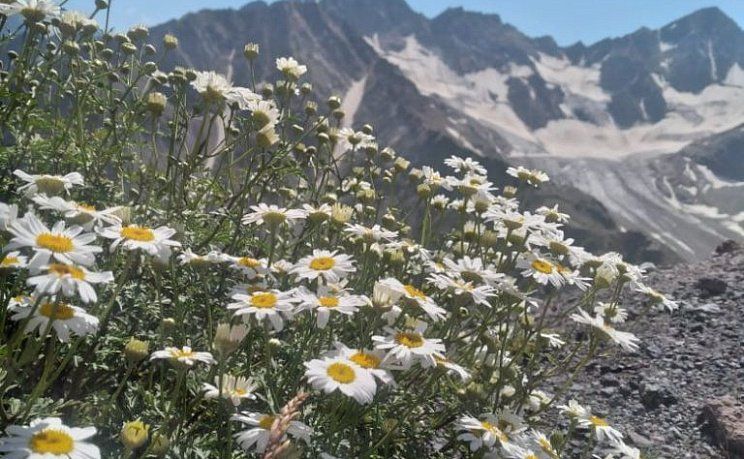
682	394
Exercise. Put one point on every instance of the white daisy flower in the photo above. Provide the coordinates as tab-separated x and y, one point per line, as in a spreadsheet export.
514	451
319	213
13	260
624	451
184	356
552	214
80	214
154	241
188	257
235	389
331	266
272	215
66	319
263	112
481	432
602	429
48	438
657	298
465	165
627	341
574	409
66	245
452	367
257	437
408	295
49	184
290	68
273	305
328	301
251	267
370	360
69	279
334	373
473	270
543	443
369	235
532	176
8	214
406	347
542	270
554	339
611	312
212	86
478	294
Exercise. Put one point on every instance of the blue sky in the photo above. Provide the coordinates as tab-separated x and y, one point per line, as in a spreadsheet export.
566	20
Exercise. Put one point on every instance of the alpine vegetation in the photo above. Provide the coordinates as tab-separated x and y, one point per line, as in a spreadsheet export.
192	269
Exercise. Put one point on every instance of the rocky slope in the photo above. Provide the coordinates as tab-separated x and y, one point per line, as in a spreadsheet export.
689	359
481	87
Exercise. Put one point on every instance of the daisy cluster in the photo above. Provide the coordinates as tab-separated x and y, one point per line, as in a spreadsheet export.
212	269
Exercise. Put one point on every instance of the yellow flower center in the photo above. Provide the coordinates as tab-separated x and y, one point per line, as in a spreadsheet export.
266	422
414	292
62	311
86	207
598	422
274	218
249	262
9	261
322	263
55	243
328	301
181	354
240	392
263	300
51	441
409	339
545	445
341	373
67	270
137	233
542	266
366	360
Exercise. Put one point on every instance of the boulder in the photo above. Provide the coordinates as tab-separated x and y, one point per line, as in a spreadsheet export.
724	421
727	246
710	286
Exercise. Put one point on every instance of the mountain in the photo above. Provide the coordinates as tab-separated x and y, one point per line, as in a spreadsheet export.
621	124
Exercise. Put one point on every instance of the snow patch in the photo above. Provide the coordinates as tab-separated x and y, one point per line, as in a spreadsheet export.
352	100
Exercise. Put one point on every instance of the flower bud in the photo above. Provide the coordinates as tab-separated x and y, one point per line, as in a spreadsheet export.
159	445
267	136
156	103
136	351
251	51
134	434
509	191
170	42
227	339
334	102
423	191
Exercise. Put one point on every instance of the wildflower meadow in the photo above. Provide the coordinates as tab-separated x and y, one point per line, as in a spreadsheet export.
193	269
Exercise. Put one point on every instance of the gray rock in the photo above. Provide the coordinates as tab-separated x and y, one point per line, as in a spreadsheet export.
724	418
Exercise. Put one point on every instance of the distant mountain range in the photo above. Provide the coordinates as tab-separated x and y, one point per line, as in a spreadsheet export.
642	134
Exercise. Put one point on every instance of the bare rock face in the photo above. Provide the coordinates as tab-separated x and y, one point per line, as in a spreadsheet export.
725	418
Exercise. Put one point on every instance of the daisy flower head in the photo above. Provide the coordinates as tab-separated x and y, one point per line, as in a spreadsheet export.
552	214
183	357
13	260
611	312
65	319
272	215
48	184
318	214
48	438
411	296
330	266
233	388
543	270
154	241
80	214
627	341
514	451
330	374
657	298
473	270
453	368
574	409
66	245
212	86
465	165
69	279
263	112
602	429
369	359
257	435
273	305
370	235
328	301
477	294
251	267
291	69
533	177
8	214
188	257
408	346
484	432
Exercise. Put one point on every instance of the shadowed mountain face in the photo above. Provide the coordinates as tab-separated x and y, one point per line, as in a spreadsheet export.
598	117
